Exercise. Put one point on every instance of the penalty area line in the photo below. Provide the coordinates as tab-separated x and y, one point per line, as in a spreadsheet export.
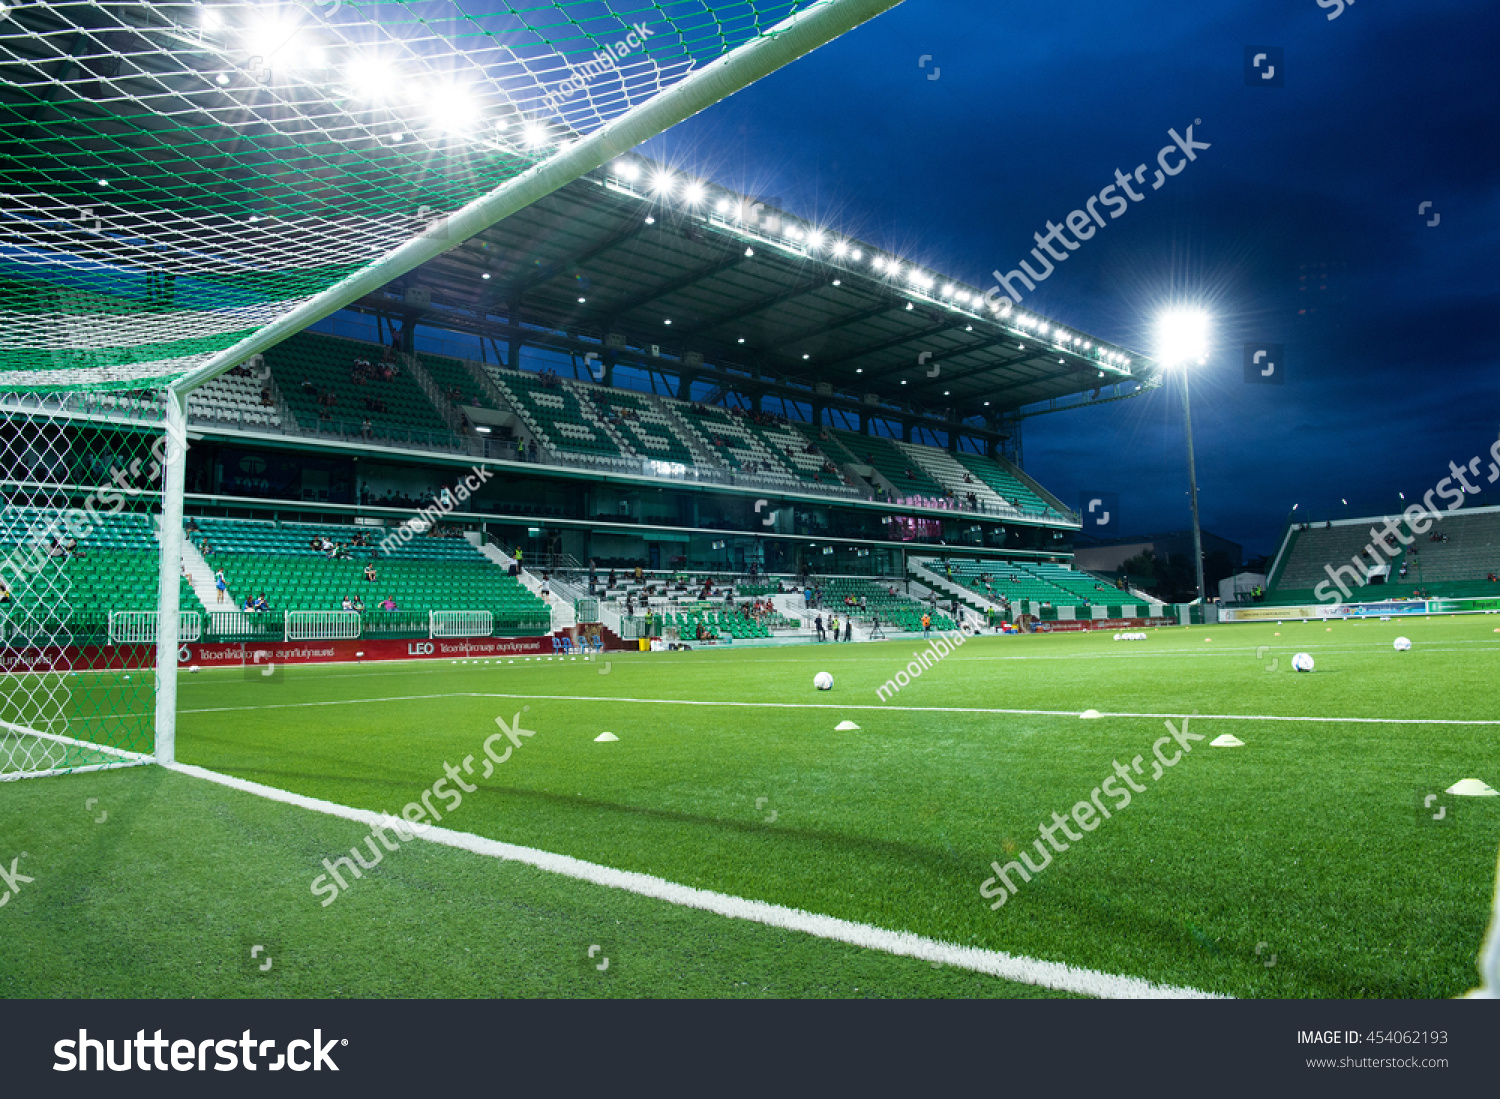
1010	967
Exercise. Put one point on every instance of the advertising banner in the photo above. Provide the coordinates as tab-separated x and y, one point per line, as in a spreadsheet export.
266	654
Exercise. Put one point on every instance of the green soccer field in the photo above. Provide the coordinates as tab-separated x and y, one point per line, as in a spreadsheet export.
1299	864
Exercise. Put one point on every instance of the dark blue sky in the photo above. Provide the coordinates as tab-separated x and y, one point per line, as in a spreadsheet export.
1391	335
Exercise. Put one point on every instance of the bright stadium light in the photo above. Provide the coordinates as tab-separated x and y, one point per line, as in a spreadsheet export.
1182	337
209	20
369	78
535	135
628	170
815	238
269	38
840	249
662	183
693	194
723	206
452	109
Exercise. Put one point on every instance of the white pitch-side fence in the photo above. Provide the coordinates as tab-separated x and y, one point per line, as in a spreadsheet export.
460	623
139	627
322	625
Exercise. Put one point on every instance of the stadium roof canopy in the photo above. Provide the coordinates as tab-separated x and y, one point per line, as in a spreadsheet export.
663	259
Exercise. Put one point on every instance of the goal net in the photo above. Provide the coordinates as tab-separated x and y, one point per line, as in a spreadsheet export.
185	184
78	547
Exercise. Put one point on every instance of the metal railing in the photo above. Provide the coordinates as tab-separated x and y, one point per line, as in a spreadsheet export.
139	627
460	624
322	625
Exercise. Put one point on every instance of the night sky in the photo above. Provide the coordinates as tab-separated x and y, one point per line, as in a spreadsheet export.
1299	226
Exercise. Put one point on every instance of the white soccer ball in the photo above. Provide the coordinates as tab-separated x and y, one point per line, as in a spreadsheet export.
1302	662
1402	644
823	681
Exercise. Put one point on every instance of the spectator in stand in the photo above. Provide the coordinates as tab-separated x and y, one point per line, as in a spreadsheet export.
348	604
926	625
220	585
249	606
848	628
370	574
358	603
818	626
260	603
388	604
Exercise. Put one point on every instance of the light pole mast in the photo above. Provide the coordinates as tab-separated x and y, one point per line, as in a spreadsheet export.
1187	419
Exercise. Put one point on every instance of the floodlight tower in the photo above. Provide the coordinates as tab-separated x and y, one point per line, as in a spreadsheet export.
1182	341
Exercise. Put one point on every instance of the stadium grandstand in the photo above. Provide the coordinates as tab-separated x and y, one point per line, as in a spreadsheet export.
681	380
1455	558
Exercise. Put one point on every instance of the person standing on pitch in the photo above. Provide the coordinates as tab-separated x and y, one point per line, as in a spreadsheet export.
926	625
848	628
818	625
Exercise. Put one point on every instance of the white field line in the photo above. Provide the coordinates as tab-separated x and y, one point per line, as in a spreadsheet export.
1010	967
25	730
846	706
13	776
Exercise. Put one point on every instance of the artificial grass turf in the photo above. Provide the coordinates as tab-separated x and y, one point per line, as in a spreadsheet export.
1304	845
167	895
1305	840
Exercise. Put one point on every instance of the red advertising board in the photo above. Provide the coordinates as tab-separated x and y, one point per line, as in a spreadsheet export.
235	654
1104	624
